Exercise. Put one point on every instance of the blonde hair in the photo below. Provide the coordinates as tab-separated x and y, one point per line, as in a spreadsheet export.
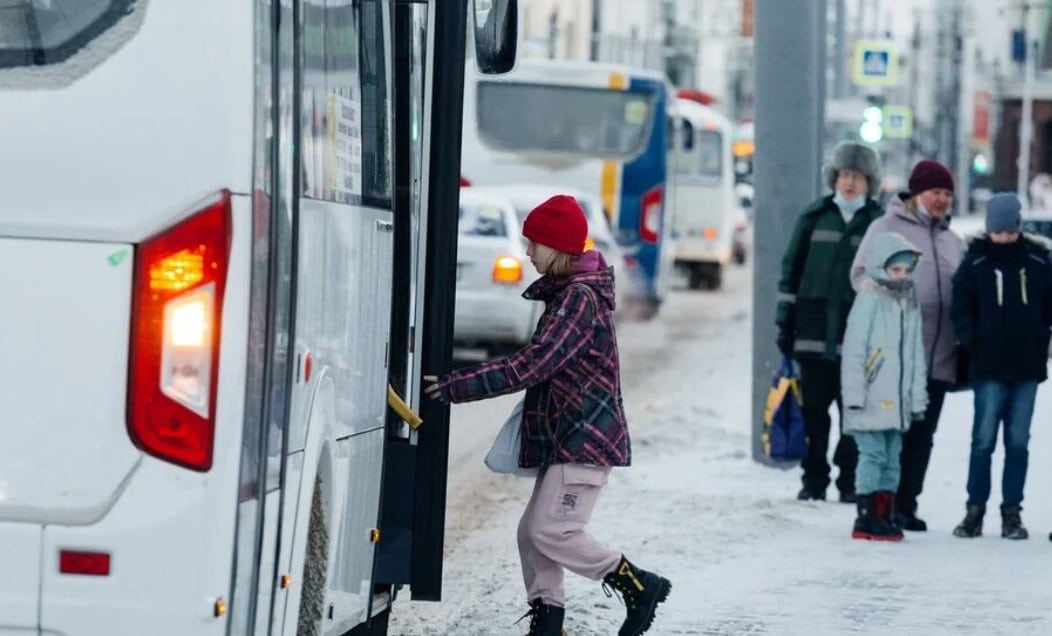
561	264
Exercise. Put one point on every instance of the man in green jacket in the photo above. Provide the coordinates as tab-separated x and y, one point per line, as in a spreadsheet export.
814	298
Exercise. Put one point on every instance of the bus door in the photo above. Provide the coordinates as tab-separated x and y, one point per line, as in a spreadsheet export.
343	269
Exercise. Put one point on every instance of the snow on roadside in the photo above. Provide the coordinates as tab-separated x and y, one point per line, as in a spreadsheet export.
744	556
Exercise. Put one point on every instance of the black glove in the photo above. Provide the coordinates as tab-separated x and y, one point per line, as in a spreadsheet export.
785	342
917	417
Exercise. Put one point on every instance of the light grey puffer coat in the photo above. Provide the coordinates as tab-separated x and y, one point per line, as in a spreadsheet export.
882	371
942	251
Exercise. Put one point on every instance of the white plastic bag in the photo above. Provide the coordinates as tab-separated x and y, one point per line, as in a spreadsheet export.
503	455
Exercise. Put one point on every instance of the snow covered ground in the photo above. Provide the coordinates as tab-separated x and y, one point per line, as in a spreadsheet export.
744	556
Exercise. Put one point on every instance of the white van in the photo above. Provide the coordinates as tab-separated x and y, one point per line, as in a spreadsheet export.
708	219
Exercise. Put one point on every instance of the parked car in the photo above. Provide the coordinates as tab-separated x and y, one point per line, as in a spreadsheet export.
525	197
492	273
1039	224
1034	222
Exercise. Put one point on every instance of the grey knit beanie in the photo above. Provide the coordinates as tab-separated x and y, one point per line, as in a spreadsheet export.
1003	213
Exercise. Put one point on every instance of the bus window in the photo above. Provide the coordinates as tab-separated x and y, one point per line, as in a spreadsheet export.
564	119
702	154
710	145
483	220
346	124
42	32
688	136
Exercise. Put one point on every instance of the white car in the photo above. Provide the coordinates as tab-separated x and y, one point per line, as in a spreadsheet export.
525	197
492	272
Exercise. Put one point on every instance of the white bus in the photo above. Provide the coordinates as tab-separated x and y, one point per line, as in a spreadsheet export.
214	234
599	128
707	219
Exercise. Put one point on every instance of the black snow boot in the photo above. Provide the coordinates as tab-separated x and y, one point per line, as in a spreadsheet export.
885	505
641	592
910	521
1012	524
811	494
545	620
869	525
972	526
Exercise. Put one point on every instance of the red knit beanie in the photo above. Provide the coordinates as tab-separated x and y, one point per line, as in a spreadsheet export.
928	174
559	223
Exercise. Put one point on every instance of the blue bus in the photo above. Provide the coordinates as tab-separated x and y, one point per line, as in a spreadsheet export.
593	127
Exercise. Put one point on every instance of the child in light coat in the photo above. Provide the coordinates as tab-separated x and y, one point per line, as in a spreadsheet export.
883	379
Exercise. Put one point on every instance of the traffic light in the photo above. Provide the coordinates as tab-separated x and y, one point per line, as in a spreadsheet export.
872	129
980	164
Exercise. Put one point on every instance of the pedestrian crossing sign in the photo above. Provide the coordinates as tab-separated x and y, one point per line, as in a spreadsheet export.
875	63
898	122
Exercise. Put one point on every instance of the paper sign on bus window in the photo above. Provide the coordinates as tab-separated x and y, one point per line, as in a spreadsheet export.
345	146
636	112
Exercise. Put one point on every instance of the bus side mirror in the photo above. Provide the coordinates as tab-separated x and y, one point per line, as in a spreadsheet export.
496	35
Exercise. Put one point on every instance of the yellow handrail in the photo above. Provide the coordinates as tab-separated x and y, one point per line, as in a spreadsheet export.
399	406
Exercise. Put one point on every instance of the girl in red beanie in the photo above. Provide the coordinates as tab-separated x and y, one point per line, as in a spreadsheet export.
573	424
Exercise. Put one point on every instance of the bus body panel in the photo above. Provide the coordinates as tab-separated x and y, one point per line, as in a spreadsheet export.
170	122
64	379
705	198
20	585
352	550
166	514
343	250
648	174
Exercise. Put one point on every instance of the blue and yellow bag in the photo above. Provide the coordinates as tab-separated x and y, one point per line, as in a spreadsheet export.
784	436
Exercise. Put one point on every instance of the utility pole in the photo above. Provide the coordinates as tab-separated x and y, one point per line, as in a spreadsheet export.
790	92
966	115
840	57
597	7
553	32
1026	121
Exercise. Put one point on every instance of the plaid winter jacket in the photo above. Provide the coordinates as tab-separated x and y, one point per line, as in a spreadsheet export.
572	412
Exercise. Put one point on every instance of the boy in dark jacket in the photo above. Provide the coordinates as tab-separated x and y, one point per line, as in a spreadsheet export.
814	298
1002	311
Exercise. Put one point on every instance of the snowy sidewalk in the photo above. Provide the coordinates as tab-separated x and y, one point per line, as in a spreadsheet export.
744	556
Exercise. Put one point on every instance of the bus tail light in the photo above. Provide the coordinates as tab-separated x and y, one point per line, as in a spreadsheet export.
650	215
180	277
507	269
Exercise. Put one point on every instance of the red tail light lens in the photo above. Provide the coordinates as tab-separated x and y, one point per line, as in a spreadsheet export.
650	215
86	563
180	277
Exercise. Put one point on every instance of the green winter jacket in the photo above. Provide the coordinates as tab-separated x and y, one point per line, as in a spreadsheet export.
815	293
883	375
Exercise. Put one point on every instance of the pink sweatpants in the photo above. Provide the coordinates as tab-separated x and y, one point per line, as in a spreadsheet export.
551	532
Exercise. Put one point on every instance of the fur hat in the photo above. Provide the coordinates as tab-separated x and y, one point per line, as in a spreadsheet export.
559	223
849	155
